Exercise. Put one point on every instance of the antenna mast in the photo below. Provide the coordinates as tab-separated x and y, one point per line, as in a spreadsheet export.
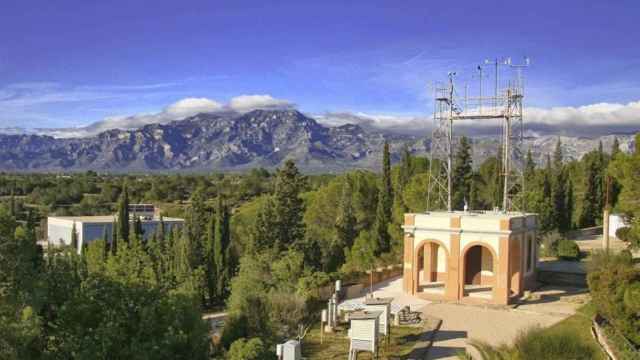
505	106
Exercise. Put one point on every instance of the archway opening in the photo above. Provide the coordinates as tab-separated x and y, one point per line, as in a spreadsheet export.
479	272
431	265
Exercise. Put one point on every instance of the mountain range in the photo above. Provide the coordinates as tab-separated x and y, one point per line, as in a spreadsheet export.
230	141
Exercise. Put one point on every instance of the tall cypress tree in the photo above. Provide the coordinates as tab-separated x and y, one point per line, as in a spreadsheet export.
529	166
114	235
559	189
406	170
221	254
462	174
589	211
345	226
615	148
570	205
123	215
385	203
74	237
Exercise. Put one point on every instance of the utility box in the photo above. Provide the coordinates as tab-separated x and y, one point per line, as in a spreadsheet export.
383	305
291	350
363	333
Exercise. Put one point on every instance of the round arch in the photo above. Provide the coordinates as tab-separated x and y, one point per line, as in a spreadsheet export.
415	265
464	258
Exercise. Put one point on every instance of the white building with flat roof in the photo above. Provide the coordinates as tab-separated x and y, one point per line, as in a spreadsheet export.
90	228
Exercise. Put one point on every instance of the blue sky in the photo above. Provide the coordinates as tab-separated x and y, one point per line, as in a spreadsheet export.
70	63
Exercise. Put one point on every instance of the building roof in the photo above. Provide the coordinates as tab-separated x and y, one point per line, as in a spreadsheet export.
378	301
106	219
365	315
487	214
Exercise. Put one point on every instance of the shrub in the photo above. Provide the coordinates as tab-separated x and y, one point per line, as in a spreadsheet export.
537	343
550	242
253	349
613	282
568	250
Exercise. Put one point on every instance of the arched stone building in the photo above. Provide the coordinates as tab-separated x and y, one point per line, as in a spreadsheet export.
469	256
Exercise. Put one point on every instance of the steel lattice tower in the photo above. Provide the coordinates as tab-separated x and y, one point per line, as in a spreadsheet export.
506	105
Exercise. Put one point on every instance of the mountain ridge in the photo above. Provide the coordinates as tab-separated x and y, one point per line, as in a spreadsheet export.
235	142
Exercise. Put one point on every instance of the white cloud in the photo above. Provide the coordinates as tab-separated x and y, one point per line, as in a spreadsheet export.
191	106
179	110
594	119
244	103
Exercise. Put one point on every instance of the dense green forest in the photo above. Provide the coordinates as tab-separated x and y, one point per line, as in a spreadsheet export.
255	244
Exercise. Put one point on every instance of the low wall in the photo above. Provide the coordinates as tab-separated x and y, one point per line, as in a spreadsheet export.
358	286
562	278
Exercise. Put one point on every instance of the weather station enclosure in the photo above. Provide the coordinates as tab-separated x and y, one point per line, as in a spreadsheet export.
363	333
384	305
469	256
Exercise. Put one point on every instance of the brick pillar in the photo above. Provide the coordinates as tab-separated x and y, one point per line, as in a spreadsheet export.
407	277
515	263
452	286
501	289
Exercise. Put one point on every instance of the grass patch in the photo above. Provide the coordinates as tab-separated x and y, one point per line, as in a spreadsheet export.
579	324
336	345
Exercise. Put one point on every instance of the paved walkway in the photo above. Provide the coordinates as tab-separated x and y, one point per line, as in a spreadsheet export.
391	288
461	323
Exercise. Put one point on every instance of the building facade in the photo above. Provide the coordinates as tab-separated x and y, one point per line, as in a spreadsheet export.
90	228
472	257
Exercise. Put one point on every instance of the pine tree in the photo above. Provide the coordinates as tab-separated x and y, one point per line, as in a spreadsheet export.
462	174
123	215
263	234
289	206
